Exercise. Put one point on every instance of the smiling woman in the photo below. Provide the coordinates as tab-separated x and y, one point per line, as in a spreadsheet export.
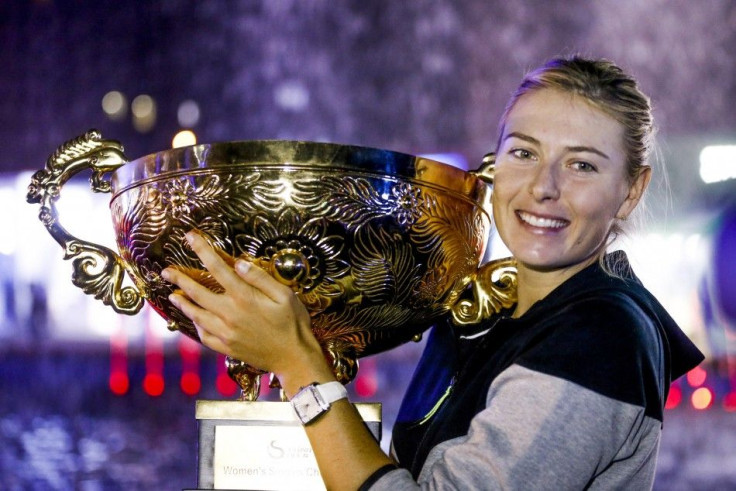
563	390
560	184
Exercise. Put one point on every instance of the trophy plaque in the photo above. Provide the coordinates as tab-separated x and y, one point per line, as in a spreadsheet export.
260	445
377	244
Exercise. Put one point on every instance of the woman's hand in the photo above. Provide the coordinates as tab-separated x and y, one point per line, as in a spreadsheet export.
262	322
256	319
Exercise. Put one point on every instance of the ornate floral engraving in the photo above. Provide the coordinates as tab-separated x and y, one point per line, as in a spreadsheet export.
376	258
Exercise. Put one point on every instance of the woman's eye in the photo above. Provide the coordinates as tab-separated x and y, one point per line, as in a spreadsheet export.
520	153
584	166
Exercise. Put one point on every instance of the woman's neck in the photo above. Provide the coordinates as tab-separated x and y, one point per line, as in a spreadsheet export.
535	284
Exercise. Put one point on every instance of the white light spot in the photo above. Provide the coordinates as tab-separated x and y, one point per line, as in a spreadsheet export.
188	114
115	104
291	95
718	163
184	138
143	106
144	113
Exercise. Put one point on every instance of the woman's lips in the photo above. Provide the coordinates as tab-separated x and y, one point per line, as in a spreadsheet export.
541	222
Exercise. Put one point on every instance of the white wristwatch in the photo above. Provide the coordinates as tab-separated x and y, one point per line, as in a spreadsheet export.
315	399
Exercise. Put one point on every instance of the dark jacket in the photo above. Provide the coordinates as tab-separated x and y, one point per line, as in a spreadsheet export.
599	348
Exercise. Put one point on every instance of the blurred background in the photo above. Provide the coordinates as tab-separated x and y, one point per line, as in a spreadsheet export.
94	400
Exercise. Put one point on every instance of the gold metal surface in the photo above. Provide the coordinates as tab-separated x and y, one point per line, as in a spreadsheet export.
98	270
493	288
377	244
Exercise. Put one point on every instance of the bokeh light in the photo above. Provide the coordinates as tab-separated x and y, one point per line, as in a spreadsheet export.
291	95
696	377
674	397
729	401
718	163
190	383
188	114
184	138
153	384
119	383
115	105
143	108
225	385
702	398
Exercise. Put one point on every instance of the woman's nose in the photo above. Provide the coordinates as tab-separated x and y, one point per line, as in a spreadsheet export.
545	182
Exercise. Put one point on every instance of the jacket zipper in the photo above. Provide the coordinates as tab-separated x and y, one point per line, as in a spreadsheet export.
439	402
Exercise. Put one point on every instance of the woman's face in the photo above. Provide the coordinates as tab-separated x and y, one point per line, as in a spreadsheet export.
560	181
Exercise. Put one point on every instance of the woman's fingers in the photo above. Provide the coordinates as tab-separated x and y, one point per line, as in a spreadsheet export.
203	322
213	263
262	281
199	294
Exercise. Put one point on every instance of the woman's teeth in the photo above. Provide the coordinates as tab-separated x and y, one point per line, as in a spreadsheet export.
536	221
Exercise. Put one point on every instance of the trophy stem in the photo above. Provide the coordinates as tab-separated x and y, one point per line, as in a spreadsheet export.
247	378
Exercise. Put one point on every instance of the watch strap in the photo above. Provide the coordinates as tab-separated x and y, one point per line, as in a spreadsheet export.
332	391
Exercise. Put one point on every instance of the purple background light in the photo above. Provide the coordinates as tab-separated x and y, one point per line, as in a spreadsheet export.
425	77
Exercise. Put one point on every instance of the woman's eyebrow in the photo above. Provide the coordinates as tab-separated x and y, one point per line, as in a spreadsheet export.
583	148
575	148
522	136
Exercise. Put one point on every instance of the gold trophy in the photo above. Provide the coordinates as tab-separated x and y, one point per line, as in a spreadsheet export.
377	244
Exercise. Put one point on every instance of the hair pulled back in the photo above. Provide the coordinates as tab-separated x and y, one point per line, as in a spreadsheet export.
607	87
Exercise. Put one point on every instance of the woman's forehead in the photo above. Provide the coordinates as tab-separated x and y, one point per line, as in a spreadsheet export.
551	114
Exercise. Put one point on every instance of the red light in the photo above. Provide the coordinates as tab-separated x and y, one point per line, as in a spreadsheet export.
696	377
190	383
673	398
118	380
729	402
366	386
153	384
119	383
702	398
189	351
225	385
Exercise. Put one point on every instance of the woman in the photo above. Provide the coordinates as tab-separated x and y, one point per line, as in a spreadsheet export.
564	390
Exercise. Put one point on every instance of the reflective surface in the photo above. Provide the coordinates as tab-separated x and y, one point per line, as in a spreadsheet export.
377	244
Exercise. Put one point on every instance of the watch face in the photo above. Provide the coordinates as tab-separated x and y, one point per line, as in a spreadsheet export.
308	404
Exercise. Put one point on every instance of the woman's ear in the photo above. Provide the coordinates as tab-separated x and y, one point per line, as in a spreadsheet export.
636	191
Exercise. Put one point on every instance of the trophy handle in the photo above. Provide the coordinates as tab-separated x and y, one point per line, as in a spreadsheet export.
493	288
98	270
487	168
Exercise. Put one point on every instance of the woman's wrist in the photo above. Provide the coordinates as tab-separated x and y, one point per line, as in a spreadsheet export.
306	371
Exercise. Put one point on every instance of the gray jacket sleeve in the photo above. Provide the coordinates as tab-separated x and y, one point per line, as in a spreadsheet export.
542	432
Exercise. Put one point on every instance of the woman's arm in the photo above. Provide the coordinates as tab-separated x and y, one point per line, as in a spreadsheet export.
262	322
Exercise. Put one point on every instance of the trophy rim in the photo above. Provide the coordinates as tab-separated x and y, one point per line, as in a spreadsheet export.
244	155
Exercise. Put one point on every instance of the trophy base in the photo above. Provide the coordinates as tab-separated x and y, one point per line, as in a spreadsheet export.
260	445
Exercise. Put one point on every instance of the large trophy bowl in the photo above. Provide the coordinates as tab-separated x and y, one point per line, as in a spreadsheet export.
377	244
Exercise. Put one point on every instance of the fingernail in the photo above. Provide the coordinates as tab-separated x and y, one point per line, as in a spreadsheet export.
242	266
189	236
173	298
166	275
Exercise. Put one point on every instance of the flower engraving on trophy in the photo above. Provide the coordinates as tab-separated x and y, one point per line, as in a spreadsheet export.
376	244
408	203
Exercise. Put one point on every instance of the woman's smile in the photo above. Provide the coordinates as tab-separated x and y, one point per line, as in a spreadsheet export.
541	223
